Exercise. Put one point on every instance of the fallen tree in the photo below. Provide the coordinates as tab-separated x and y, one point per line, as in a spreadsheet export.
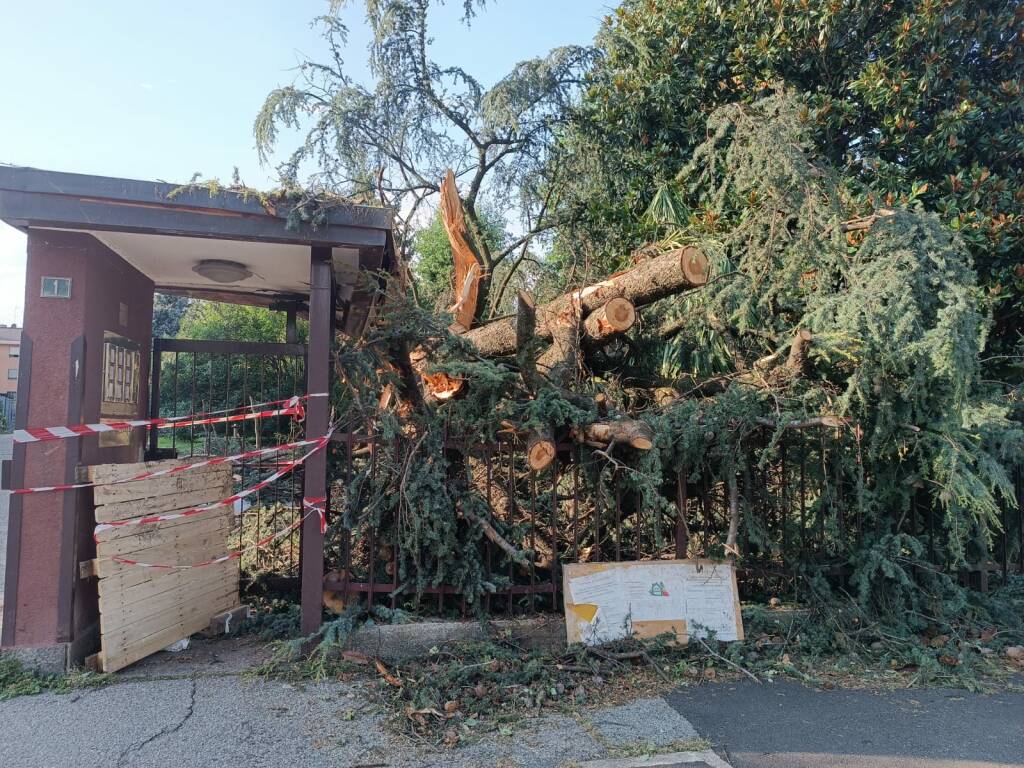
859	359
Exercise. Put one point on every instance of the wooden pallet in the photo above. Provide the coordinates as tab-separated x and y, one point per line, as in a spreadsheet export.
143	610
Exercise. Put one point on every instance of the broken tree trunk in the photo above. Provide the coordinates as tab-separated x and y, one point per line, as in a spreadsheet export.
440	386
468	264
614	317
662	276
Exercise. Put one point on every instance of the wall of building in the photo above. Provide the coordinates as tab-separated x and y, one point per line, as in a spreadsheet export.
8	364
6	452
10	341
61	382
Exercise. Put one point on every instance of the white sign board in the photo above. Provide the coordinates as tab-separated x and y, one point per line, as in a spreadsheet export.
609	601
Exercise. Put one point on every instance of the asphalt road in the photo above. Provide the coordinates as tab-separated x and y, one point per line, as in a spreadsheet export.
198	709
785	725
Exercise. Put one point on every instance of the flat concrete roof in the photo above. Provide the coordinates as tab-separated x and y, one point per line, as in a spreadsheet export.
164	230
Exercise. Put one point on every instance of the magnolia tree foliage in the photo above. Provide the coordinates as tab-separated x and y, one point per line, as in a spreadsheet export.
391	140
919	100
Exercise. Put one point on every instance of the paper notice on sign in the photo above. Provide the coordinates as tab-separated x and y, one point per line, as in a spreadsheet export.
608	601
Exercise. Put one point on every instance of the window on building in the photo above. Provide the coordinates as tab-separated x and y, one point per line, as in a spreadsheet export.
14	352
12	374
56	288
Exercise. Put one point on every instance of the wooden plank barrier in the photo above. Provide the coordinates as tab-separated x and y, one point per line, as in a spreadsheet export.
143	610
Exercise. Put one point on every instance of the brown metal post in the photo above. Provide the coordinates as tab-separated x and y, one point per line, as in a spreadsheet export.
291	328
682	526
321	312
154	396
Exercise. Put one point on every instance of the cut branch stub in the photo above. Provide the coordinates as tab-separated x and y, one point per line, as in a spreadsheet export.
540	449
647	282
616	316
796	363
636	434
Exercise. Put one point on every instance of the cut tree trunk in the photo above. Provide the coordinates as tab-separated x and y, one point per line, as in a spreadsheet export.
662	276
540	449
636	434
614	317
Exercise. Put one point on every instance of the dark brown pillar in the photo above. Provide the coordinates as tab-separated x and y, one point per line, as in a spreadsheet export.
50	615
318	367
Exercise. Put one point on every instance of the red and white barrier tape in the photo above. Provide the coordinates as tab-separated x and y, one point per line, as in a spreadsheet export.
292	407
309	504
172	470
288	467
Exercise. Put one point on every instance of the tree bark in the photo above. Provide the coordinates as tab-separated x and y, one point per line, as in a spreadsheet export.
502	508
560	362
817	421
662	276
796	362
496	538
527	343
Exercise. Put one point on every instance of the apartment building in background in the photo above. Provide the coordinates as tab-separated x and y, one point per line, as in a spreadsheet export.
10	355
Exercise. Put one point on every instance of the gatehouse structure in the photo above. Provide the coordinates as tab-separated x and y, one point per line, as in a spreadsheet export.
98	250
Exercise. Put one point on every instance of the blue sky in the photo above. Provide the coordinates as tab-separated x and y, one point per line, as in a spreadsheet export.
162	90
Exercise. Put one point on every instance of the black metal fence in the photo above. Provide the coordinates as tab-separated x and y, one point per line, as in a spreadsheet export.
196	376
794	517
795	511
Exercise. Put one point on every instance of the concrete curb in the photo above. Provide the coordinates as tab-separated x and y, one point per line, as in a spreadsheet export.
668	760
402	642
46	659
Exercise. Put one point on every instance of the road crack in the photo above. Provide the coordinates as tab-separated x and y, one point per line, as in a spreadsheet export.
122	759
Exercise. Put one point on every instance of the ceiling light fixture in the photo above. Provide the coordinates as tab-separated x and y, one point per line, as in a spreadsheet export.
222	271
